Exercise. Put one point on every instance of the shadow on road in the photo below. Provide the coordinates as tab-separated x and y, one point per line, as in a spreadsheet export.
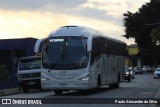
84	92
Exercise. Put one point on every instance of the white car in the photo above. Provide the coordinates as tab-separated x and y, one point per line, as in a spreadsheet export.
157	73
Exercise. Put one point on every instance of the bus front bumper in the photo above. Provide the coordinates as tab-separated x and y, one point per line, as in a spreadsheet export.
68	85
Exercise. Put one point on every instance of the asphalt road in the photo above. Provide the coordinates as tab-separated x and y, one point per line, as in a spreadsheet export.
143	86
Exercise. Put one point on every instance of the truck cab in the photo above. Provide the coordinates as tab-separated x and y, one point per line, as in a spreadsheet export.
29	73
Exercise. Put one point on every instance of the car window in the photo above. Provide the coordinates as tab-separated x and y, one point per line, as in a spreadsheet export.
158	69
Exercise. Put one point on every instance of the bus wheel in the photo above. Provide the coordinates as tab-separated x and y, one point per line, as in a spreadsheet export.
58	92
25	89
98	84
115	85
129	79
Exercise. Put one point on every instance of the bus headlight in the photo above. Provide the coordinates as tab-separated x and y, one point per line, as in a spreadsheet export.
86	77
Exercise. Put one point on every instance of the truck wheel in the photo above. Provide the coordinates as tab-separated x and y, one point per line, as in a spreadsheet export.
25	89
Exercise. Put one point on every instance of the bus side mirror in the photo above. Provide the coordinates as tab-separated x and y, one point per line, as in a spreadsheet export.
37	45
89	44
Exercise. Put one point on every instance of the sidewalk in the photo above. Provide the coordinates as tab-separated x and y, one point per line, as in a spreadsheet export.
10	91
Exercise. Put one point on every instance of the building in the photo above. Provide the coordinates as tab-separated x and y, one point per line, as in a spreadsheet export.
133	49
10	52
134	59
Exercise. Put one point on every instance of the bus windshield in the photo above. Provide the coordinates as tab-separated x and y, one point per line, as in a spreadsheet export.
28	64
65	53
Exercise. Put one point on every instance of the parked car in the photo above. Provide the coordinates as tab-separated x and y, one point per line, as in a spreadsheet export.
153	69
147	68
138	70
127	74
131	68
157	73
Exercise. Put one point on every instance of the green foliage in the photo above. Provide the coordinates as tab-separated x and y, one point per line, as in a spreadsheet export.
3	73
155	34
141	26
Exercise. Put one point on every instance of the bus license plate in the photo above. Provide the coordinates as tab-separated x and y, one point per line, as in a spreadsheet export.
62	84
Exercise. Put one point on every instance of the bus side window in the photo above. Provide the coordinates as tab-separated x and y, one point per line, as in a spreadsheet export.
95	50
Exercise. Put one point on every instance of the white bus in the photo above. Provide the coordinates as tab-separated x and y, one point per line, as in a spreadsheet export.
78	58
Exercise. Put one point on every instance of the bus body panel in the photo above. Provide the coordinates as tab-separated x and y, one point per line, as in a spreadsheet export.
95	70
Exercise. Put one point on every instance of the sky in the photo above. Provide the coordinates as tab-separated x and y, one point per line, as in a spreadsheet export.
38	18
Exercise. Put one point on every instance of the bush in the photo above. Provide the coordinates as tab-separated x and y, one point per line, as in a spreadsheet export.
3	75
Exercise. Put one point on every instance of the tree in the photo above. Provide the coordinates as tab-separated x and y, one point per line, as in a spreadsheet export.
139	26
3	75
155	35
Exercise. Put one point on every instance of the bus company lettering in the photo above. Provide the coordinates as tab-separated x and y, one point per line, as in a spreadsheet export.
64	74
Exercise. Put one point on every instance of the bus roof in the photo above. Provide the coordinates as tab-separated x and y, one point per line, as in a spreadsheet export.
79	31
75	31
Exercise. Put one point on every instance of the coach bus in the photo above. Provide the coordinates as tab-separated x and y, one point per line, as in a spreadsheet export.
78	58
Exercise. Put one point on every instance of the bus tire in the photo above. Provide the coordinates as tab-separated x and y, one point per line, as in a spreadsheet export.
115	85
129	79
25	89
58	92
98	84
111	86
